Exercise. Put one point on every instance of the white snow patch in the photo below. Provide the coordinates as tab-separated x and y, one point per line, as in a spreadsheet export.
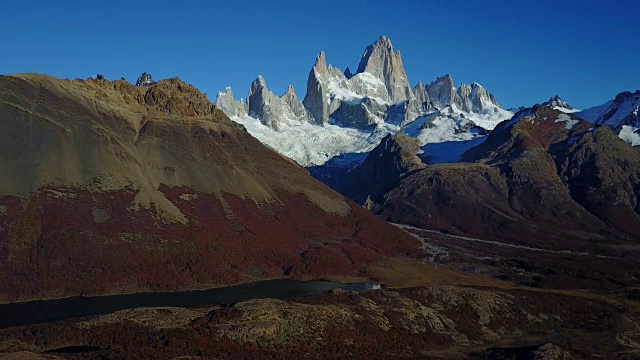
569	122
630	135
617	112
566	110
311	145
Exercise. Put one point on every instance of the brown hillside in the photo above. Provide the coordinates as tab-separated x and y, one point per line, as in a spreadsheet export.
107	188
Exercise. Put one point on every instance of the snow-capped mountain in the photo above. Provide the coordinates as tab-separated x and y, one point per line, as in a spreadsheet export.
343	112
620	114
557	103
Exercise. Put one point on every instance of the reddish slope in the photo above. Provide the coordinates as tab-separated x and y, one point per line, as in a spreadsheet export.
108	188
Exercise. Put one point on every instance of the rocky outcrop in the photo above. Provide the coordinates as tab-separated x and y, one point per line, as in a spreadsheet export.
230	106
127	189
381	61
459	316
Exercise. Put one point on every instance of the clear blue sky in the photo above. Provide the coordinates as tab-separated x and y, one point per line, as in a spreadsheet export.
523	52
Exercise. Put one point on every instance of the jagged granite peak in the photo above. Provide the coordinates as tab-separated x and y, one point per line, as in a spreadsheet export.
474	98
259	100
295	106
380	60
271	110
320	64
420	92
290	90
423	101
315	101
557	102
442	92
230	106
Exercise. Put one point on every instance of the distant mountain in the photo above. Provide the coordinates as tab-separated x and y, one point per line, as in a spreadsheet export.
557	103
620	114
343	112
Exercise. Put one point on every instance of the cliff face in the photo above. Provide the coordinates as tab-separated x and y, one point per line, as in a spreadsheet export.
381	61
107	188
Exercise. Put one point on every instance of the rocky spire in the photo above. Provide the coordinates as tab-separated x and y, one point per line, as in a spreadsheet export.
316	101
420	93
380	60
422	98
442	92
295	106
274	111
557	102
474	98
229	105
259	98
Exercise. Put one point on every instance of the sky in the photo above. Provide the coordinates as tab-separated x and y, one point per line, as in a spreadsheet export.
524	52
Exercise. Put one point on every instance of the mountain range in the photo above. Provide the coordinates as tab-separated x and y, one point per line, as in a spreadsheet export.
350	113
449	159
477	232
344	113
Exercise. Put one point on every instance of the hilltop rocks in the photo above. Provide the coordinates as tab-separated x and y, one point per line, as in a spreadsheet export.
174	96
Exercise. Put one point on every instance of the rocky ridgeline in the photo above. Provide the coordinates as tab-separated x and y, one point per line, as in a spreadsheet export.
379	92
557	103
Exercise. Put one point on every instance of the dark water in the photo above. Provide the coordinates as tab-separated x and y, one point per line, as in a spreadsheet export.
81	349
44	311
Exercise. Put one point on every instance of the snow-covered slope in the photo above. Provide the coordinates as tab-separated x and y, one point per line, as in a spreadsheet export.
310	144
621	114
613	112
